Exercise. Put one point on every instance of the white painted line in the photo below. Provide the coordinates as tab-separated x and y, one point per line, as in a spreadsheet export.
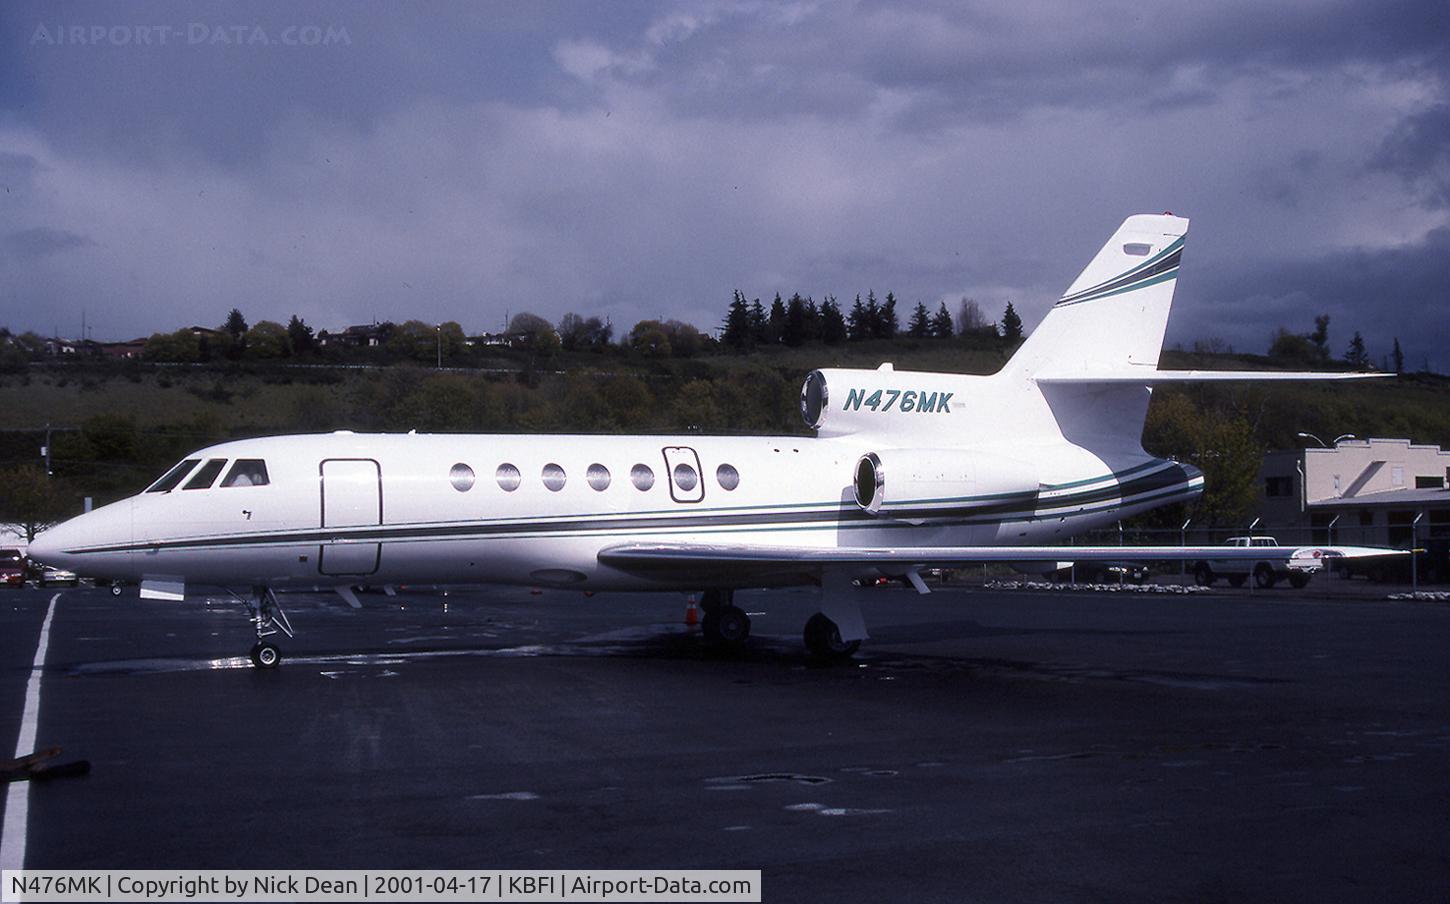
17	797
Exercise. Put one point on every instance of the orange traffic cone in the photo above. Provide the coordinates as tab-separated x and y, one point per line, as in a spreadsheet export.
692	612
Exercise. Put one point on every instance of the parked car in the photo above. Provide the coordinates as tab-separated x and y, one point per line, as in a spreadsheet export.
1265	572
50	576
12	568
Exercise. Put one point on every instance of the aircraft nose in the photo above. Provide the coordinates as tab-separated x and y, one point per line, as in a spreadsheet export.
45	547
79	544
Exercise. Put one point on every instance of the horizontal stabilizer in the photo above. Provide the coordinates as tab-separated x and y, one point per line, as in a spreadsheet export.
1149	377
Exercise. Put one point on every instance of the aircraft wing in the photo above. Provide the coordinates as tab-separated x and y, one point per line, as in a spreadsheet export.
678	557
1150	376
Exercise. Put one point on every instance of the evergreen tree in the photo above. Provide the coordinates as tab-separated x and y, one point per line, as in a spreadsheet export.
1356	356
858	322
299	335
1320	336
873	316
775	326
236	329
758	323
941	324
813	321
920	325
236	325
1011	324
833	325
737	324
793	333
887	325
1398	357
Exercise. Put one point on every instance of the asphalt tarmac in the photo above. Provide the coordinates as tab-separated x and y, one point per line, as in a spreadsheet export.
983	746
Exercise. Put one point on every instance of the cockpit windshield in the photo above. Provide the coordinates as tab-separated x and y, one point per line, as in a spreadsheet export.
170	479
206	474
247	472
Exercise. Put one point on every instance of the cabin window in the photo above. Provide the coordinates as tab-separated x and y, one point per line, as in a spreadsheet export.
206	474
554	477
642	477
685	477
247	472
171	478
598	477
508	477
727	477
461	476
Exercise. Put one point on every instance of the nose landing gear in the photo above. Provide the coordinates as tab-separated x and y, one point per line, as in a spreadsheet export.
269	618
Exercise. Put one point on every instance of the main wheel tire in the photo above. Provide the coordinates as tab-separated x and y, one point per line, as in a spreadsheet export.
1203	575
1264	576
1298	580
732	626
266	655
116	589
1237	580
823	639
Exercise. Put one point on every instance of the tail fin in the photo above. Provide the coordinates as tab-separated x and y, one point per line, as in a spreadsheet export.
1112	318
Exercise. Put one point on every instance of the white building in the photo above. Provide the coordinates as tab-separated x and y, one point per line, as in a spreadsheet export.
1368	491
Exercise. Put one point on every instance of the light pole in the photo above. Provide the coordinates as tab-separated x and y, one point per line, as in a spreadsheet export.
1322	443
1414	549
1183	541
439	328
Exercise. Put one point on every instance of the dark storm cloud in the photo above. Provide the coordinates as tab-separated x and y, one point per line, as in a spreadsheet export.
643	160
1382	293
1418	151
950	59
39	242
213	79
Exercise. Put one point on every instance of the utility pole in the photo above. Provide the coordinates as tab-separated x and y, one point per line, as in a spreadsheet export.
45	450
1414	560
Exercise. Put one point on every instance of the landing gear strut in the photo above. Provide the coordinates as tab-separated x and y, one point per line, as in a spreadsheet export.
269	619
725	623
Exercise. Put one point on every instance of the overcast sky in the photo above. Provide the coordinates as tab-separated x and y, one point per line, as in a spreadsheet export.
162	163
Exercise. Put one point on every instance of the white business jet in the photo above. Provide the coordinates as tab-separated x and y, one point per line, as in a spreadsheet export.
906	470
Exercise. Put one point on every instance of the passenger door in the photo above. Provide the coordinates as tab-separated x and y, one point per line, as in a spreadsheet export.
352	496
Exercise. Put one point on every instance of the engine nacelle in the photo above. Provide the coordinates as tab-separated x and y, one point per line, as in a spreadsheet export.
839	401
907	483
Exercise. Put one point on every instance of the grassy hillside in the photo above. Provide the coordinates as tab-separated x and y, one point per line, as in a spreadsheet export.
121	424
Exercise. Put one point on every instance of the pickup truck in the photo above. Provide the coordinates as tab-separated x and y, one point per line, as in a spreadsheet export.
1266	572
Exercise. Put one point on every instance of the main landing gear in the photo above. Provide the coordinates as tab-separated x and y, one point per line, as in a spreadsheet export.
270	620
823	639
834	633
725	623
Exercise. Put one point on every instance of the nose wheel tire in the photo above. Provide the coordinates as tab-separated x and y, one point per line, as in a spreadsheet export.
823	639
266	655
